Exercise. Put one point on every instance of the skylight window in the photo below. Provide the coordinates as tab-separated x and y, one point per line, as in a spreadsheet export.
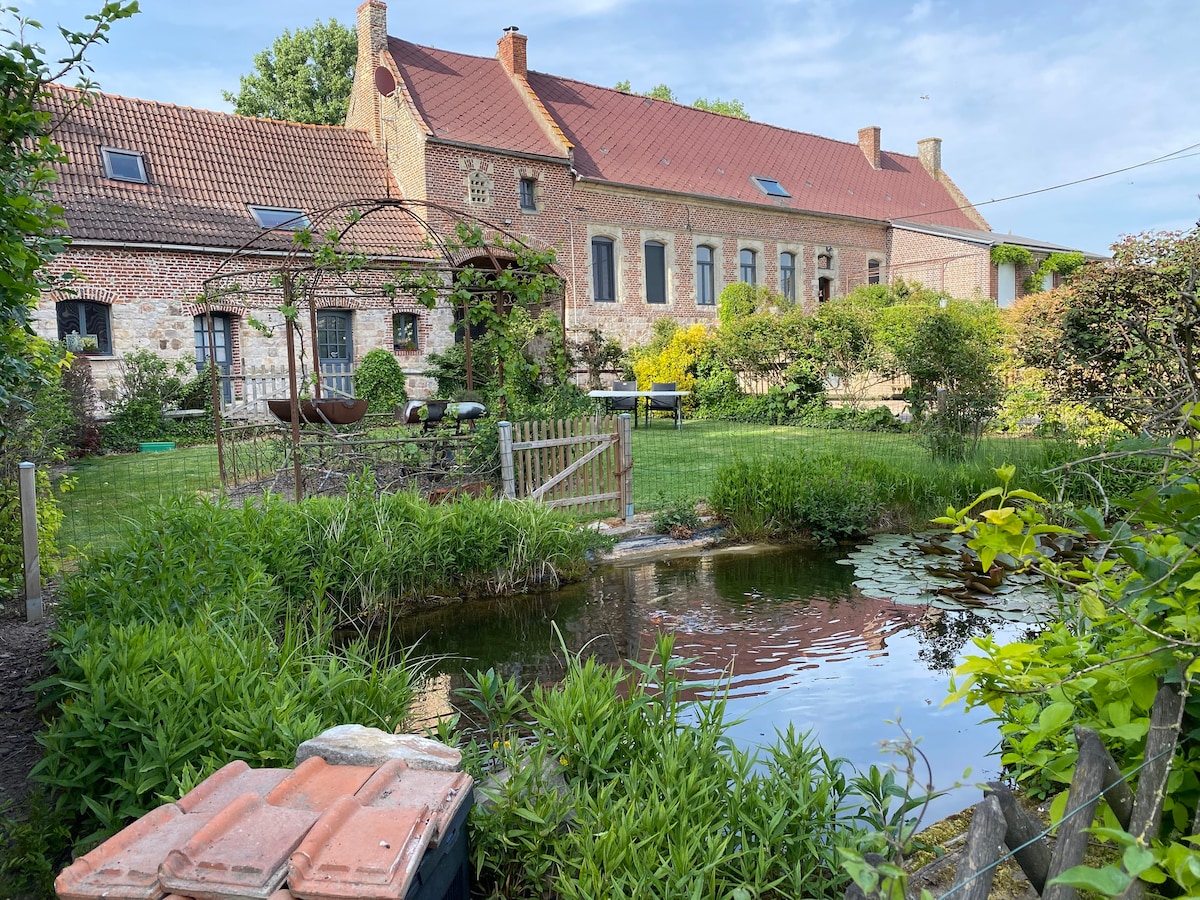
770	186
123	165
278	217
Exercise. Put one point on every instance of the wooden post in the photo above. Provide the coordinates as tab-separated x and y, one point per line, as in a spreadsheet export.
507	476
34	608
1165	720
1081	811
985	845
1024	831
625	472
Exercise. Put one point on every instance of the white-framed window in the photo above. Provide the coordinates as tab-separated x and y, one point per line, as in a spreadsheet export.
279	218
873	271
405	331
787	275
527	194
748	266
123	165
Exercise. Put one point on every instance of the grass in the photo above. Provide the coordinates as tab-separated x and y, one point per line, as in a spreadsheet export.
112	492
672	465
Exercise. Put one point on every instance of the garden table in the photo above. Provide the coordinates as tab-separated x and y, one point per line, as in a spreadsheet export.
677	396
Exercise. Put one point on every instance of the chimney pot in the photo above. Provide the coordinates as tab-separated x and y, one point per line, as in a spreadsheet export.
511	51
868	142
929	151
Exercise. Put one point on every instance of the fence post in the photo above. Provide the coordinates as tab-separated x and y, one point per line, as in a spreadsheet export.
506	461
34	608
625	454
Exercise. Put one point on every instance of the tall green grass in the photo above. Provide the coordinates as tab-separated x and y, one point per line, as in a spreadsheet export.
615	786
839	495
208	635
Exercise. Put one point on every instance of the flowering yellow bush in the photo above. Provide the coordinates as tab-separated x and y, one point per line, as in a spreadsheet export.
674	361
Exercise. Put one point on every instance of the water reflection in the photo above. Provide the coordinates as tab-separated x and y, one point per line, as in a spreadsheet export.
785	631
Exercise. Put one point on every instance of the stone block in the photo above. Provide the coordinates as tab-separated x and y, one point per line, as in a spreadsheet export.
357	745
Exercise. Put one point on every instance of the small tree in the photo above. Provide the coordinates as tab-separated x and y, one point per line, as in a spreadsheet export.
952	360
31	224
304	76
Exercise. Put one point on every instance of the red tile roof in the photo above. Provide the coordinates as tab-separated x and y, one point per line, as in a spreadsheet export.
204	170
470	100
634	140
627	139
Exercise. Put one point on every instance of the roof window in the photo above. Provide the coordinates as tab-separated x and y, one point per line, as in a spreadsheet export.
278	217
769	186
123	165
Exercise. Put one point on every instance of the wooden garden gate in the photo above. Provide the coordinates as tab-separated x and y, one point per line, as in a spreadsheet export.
586	464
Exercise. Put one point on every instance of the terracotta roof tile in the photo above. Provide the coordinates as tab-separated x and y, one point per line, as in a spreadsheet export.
205	169
356	852
469	99
242	851
629	139
125	867
375	836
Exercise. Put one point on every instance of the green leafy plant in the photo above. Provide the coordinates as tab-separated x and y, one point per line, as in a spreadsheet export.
380	381
619	786
677	518
1010	253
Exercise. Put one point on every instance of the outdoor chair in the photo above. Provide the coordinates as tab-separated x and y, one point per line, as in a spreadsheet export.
624	404
660	403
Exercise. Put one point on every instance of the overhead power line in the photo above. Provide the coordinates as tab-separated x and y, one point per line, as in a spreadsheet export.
1166	157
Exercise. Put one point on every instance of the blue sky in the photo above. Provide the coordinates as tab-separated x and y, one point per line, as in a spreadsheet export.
1024	95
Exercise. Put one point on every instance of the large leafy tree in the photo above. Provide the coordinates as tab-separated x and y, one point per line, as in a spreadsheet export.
31	224
304	76
1127	334
663	92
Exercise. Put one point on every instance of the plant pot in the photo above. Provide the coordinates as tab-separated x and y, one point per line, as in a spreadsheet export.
156	446
331	410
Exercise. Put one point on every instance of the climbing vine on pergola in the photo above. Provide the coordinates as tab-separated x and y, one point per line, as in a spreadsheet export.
383	251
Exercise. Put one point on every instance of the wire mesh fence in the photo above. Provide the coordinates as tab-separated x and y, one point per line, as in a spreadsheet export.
109	493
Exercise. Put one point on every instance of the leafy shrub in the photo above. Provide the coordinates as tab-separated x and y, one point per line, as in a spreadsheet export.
148	384
616	783
380	381
672	357
787	495
677	518
208	635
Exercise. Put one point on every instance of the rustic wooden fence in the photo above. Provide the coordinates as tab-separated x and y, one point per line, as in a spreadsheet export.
585	464
1001	828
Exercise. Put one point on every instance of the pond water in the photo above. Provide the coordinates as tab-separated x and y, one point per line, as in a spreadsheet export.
795	640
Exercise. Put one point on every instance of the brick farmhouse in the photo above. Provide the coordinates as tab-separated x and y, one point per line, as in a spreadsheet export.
652	207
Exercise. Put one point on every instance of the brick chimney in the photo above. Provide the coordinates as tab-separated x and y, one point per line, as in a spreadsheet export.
930	153
364	109
868	143
511	51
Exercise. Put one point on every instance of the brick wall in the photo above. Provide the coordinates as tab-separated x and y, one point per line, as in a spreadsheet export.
152	299
943	264
570	214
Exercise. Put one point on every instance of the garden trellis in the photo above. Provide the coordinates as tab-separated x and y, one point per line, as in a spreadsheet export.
378	253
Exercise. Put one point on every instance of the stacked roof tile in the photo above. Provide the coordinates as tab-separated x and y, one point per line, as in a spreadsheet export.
318	832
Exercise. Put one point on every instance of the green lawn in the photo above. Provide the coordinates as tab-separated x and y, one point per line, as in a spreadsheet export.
674	464
112	491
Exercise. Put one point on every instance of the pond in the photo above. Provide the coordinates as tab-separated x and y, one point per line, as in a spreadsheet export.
793	638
